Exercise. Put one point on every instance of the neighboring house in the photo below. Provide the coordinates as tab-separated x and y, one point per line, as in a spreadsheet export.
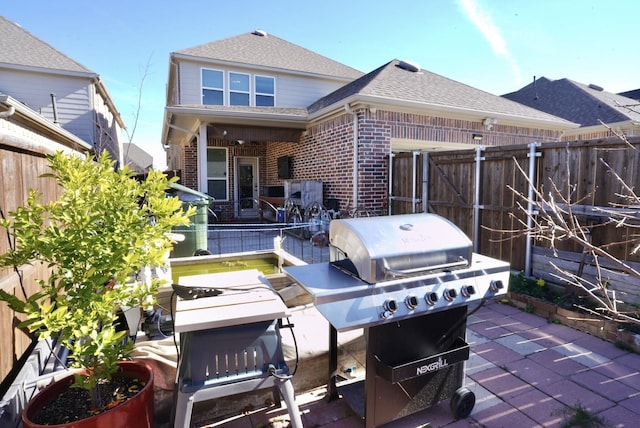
633	94
600	114
238	105
59	88
136	158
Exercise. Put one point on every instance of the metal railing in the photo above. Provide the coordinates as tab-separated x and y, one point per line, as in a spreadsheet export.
303	240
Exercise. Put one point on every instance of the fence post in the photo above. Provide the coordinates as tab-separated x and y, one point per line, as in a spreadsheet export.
425	182
414	202
533	154
476	206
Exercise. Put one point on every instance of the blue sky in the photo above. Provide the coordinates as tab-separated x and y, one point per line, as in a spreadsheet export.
494	45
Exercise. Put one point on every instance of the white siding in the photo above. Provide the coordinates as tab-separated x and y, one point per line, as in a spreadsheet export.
73	99
292	91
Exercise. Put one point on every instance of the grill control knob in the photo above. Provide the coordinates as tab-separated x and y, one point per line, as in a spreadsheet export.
390	305
450	294
411	302
496	285
431	298
467	290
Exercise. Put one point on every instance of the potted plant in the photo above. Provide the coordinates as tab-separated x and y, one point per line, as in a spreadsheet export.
95	238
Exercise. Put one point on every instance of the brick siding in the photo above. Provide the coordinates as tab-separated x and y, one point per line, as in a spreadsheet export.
325	151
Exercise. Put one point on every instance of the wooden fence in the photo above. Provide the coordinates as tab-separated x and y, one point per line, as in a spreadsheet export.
472	188
20	170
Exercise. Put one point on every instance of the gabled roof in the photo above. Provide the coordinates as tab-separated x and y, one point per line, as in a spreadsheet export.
577	102
266	50
20	48
395	84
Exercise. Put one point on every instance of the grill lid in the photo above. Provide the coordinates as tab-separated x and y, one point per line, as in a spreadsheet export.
380	248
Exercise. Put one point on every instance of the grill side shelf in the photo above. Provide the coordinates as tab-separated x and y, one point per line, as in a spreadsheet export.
458	353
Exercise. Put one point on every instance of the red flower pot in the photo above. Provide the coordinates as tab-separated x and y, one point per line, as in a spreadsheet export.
137	411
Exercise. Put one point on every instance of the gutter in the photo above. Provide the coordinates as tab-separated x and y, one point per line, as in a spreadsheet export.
41	126
355	155
551	123
8	113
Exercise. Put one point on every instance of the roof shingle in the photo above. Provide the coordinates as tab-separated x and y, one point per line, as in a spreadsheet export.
574	101
266	50
20	47
391	82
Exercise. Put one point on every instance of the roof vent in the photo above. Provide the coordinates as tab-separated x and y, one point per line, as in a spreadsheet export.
596	87
260	33
409	66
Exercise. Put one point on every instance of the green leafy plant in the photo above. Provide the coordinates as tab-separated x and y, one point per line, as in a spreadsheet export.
94	239
532	287
579	416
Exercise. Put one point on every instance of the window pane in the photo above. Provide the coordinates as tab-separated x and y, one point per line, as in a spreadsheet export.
216	163
212	79
265	85
239	82
238	99
211	97
264	101
217	189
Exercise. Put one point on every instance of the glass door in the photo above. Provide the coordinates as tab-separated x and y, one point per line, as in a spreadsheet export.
247	187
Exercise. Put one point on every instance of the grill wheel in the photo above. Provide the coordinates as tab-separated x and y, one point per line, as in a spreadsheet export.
462	403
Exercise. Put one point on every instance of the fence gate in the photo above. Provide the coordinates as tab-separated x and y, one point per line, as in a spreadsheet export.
406	187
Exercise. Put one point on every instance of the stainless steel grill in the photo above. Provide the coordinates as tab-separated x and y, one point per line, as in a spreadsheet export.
408	280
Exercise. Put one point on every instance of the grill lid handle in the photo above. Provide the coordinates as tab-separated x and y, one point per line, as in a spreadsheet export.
405	272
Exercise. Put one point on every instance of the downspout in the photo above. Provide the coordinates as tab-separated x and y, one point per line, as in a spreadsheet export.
390	186
533	154
354	196
54	106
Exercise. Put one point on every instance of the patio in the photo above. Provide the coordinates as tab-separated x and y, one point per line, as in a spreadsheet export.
523	370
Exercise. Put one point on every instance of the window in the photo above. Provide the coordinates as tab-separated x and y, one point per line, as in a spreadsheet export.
239	89
235	89
212	87
217	176
265	91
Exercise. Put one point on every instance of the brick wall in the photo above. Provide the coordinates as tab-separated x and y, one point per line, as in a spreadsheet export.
325	151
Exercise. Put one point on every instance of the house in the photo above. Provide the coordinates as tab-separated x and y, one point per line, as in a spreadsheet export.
634	94
601	114
59	88
136	158
239	106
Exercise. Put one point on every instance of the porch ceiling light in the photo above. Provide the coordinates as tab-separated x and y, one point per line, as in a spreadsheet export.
477	137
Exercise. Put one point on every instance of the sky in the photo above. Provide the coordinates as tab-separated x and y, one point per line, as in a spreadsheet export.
494	45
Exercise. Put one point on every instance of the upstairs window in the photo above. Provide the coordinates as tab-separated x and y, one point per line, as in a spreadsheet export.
212	87
239	90
265	91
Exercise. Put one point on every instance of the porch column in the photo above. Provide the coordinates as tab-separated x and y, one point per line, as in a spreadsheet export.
202	158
